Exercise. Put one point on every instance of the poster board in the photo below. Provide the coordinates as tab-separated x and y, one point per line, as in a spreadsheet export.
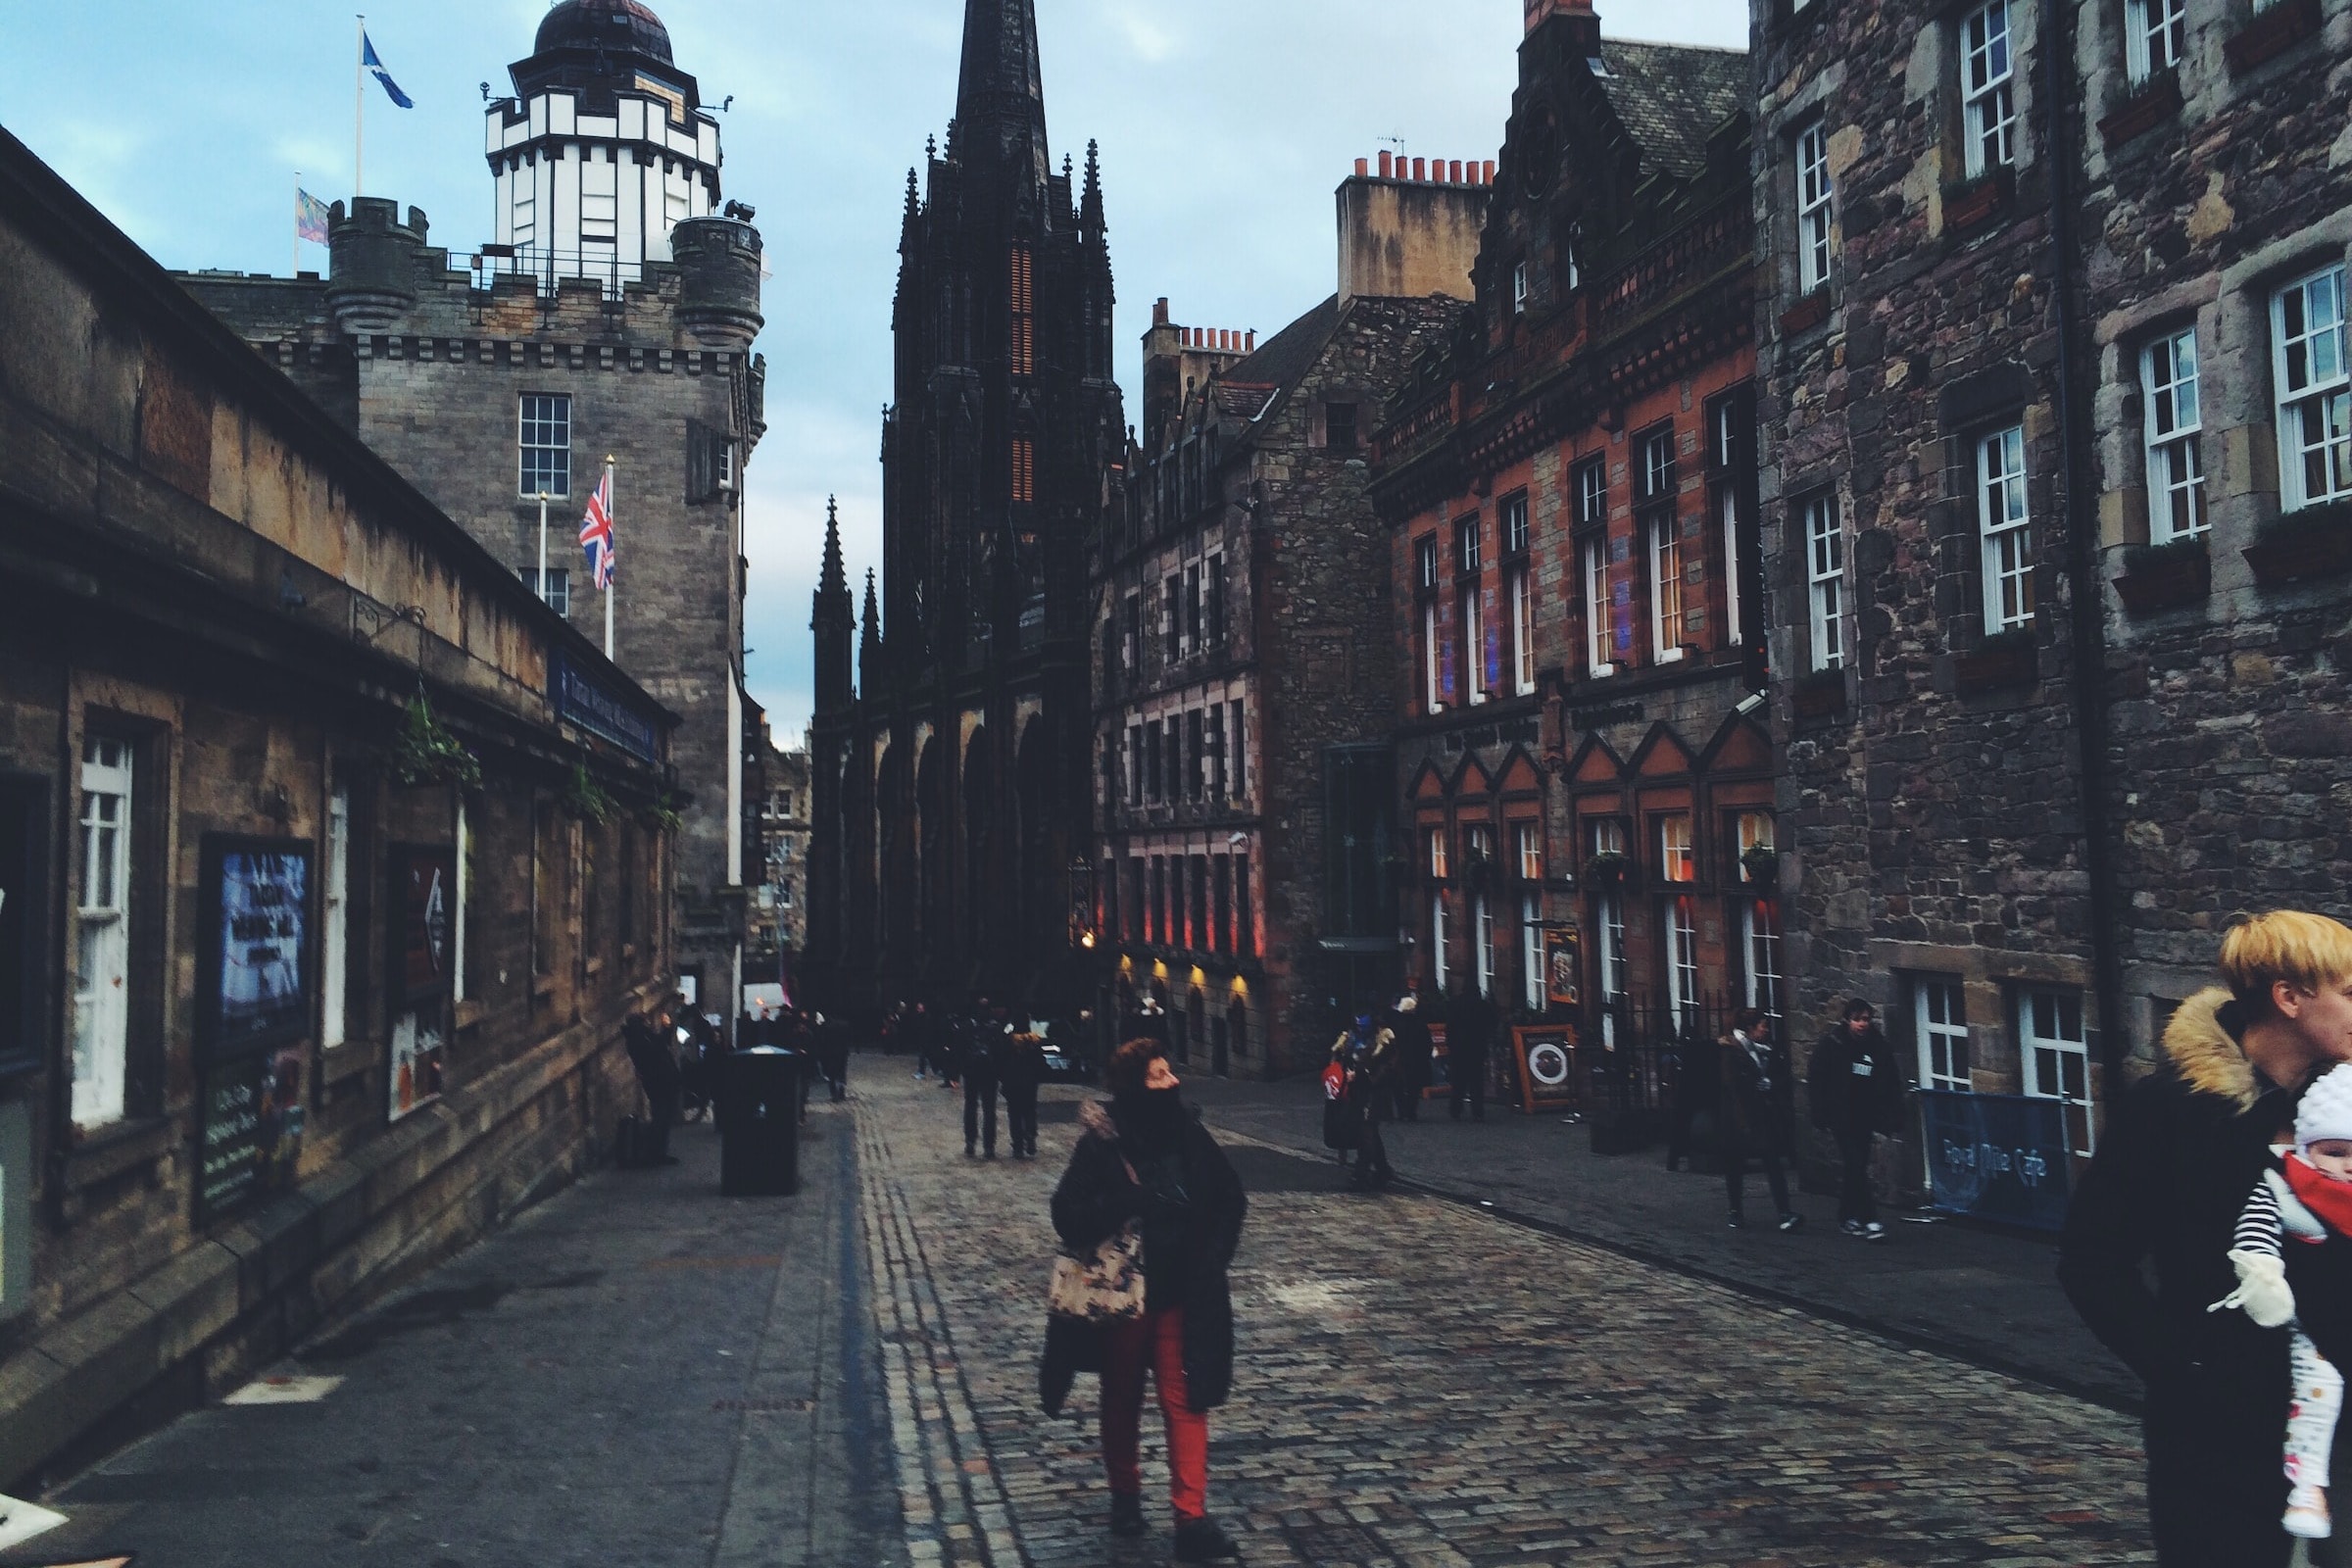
1545	1057
1441	1070
256	984
1996	1156
249	1134
424	963
1563	965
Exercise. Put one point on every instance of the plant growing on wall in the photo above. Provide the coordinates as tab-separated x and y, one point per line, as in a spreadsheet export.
584	798
663	815
426	752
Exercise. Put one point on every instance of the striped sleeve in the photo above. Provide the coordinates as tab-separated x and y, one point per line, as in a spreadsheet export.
2259	1224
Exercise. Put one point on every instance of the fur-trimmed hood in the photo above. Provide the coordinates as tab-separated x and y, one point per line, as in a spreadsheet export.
2205	1055
1095	1121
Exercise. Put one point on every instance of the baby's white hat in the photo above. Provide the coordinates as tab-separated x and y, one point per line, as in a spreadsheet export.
2327	1108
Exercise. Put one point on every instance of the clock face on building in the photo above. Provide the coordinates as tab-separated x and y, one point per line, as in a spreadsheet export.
1540	152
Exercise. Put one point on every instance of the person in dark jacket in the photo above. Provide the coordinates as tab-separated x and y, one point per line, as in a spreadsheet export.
2178	1153
1856	1089
1754	1111
833	1053
1416	1052
1469	1033
1146	1157
978	1070
1018	1073
648	1046
1367	1054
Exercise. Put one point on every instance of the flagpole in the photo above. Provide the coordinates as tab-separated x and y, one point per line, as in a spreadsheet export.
358	113
611	573
543	596
295	249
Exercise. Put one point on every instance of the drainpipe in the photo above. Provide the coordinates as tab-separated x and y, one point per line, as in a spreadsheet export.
2090	623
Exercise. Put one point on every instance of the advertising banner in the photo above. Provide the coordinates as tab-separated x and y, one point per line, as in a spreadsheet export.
1563	967
1996	1156
416	1077
250	1138
1547	1062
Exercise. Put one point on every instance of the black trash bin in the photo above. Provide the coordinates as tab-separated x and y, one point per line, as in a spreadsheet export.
760	1126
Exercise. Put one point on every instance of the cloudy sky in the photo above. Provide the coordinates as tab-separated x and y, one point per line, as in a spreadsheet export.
1225	125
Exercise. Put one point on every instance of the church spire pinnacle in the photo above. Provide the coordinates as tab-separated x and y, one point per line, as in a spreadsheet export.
1090	203
1000	95
833	578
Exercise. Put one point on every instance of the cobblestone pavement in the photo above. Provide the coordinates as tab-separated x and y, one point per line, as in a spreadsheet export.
1424	1385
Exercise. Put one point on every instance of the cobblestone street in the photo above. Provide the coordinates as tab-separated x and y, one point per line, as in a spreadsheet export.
1422	1384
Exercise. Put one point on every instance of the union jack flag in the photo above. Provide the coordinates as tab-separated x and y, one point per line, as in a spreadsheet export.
596	532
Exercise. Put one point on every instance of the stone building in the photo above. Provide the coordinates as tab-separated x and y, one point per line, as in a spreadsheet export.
330	858
951	780
1570	492
1241	673
2053	384
613	316
779	909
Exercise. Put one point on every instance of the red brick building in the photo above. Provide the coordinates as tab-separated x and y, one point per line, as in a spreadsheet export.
1571	489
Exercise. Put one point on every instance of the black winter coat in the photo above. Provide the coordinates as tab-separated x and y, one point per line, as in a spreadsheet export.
1847	1102
1095	1198
1755	1099
2179	1155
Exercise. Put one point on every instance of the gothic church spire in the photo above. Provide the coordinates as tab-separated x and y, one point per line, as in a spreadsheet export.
1000	95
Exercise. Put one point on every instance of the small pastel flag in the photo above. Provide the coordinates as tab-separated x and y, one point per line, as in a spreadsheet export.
309	217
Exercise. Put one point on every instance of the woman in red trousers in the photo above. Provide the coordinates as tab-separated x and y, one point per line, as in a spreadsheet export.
1145	1156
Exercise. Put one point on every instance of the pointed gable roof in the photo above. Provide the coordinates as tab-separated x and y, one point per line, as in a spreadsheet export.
1671	98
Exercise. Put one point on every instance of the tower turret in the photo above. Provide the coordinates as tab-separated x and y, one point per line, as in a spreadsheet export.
372	263
719	301
834	621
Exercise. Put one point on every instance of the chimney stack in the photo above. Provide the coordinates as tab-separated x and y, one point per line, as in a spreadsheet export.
1585	39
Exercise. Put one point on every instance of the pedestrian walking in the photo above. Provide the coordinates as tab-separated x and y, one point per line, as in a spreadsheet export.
1023	1070
1469	1033
833	1055
2180	1152
1415	1053
1367	1054
979	1072
648	1042
1755	1112
1856	1091
1146	1157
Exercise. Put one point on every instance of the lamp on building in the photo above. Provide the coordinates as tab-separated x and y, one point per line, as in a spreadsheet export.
1082	902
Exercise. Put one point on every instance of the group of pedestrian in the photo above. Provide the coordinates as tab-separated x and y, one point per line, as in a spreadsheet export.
990	1051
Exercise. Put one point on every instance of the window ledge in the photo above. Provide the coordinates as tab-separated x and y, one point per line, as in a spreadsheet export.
2155	101
2002	662
2271	33
2165	576
124	1146
2304	545
1979	203
1806	314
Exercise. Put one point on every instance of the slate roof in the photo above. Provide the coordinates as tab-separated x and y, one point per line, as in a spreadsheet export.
1671	97
1290	352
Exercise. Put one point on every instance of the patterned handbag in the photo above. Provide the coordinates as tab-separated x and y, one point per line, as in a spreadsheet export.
1106	1286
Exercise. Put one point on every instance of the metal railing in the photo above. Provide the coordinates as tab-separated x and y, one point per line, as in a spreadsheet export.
550	266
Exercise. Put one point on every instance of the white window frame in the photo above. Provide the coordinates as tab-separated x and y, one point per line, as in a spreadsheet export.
2172	424
539	416
1596	607
1482	927
1939	1019
1511	523
1666	585
1681	958
1523	631
102	932
1474	643
1433	659
1528	847
1519	288
1825	581
1988	88
1754	829
1531	950
1425	560
1678	859
556	592
1437	863
463	886
1437	970
2057	1061
2005	524
2155	36
1760	940
1813	207
334	926
2314	381
1734	629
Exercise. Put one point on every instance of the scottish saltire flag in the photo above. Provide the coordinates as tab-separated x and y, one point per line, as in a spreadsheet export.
596	532
375	68
309	217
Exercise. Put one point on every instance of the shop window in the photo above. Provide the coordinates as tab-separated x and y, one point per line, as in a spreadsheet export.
1939	1019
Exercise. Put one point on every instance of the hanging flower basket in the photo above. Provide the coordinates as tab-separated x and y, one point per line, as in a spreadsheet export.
426	753
1607	868
1762	863
585	799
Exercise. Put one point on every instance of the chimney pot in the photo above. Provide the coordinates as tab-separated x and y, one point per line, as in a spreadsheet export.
1385	171
1251	346
1490	171
1363	166
1453	171
1420	169
1159	311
